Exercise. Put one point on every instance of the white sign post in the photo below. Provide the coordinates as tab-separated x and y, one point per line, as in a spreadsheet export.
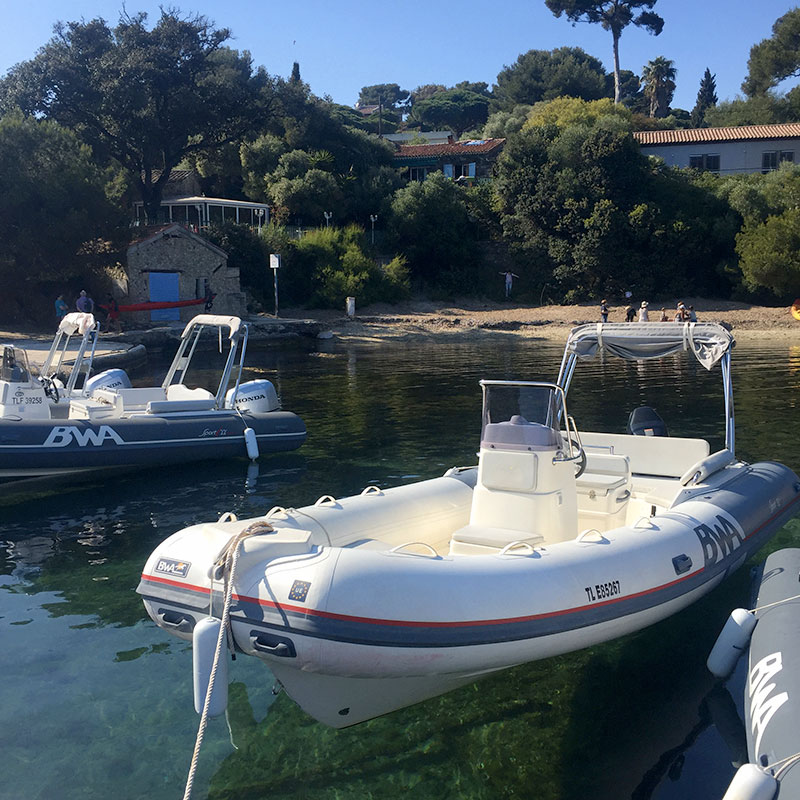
275	265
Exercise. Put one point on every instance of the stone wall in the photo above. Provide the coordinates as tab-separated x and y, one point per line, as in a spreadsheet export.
197	263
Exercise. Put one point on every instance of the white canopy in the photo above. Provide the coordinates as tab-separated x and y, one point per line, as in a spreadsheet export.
635	341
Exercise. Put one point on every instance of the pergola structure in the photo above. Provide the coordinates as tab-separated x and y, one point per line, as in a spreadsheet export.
199	212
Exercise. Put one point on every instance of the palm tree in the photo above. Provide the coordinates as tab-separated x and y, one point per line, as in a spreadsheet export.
658	77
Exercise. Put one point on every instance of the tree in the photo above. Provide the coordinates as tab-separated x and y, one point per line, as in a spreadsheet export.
769	254
430	226
456	109
706	98
775	59
614	16
565	111
546	74
146	98
390	94
55	220
659	85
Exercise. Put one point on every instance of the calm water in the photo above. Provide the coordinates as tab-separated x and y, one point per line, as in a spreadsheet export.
95	701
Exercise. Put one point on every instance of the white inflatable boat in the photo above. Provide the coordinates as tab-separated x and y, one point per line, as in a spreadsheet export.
49	428
559	539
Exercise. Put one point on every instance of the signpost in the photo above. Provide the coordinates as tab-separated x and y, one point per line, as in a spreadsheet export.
275	265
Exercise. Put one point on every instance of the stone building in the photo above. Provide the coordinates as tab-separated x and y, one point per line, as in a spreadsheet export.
171	263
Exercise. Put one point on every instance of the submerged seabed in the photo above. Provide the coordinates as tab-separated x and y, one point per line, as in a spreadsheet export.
96	702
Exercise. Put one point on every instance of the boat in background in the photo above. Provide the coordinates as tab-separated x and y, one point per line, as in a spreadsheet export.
559	539
47	427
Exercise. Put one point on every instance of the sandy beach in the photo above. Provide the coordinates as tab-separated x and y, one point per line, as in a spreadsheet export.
420	320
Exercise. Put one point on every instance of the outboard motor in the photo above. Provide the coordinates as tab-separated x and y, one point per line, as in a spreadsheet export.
111	379
256	397
644	421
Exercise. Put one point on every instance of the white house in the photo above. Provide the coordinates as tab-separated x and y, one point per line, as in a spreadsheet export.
749	148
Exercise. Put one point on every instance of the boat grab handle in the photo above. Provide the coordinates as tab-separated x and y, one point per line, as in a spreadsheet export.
326	499
275	510
228	516
508	550
596	536
372	490
646	521
401	547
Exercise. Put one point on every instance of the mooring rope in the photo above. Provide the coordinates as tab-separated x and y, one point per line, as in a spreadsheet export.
229	558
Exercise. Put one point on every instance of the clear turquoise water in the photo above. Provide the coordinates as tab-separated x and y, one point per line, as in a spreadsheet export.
95	701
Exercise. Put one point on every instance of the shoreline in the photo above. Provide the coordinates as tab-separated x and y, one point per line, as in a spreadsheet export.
419	321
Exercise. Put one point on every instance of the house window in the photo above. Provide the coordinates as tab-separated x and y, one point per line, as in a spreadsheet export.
769	160
708	162
456	171
417	173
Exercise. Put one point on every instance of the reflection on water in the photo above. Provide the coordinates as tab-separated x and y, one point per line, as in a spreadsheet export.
96	701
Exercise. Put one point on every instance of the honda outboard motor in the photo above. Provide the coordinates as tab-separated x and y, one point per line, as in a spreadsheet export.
644	421
257	397
111	379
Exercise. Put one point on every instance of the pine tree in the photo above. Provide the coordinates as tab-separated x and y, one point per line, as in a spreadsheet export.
295	76
706	98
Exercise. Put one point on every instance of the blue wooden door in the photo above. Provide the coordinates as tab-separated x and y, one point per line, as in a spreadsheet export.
164	288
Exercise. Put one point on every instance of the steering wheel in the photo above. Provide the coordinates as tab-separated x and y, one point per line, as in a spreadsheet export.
581	466
50	389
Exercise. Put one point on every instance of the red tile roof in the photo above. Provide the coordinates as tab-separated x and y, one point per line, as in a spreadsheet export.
475	146
787	130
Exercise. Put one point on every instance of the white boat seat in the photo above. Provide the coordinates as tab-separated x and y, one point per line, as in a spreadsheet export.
168	406
598	482
604	473
484	536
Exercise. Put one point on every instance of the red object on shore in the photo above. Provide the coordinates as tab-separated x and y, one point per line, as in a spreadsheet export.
163	304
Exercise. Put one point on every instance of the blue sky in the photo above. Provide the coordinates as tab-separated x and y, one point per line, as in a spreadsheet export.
343	45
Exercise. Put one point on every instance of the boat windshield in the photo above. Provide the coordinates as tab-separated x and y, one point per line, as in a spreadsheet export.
520	402
14	367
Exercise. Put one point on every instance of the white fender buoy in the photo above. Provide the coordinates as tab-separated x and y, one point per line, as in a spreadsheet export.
251	443
731	642
751	783
204	645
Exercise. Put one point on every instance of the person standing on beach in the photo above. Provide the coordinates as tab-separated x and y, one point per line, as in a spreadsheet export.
692	314
664	317
509	276
61	307
643	315
604	311
630	314
84	303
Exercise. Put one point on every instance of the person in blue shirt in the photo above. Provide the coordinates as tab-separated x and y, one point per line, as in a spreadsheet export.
61	307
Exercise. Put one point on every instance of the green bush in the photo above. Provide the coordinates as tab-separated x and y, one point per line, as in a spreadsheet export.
330	264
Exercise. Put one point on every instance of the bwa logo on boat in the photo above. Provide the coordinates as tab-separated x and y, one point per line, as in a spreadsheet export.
764	704
179	569
719	540
63	435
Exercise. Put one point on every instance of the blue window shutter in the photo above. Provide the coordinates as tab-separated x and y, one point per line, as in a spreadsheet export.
448	170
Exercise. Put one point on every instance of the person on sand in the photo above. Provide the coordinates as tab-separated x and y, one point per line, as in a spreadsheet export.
692	314
681	314
664	317
630	314
509	276
643	315
84	303
61	307
112	308
604	311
